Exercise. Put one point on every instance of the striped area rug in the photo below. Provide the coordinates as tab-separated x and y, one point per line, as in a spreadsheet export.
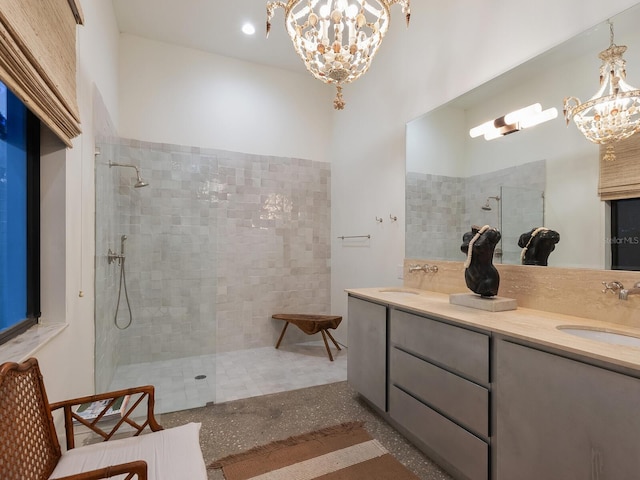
342	452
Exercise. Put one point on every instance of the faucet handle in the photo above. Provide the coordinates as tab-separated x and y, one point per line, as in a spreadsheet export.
613	287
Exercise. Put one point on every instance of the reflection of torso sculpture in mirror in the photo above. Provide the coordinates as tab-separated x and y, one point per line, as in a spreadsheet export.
480	274
537	245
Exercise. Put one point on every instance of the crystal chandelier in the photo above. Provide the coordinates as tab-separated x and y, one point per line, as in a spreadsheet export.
613	113
336	39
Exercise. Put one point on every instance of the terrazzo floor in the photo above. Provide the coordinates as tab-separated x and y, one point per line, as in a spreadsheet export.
234	375
235	426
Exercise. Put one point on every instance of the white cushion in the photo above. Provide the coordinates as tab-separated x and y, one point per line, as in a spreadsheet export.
170	454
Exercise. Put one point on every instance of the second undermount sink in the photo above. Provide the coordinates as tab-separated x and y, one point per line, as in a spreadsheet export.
606	336
398	292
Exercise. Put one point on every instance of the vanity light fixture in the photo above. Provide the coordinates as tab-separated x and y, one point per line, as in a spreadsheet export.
613	113
336	39
514	122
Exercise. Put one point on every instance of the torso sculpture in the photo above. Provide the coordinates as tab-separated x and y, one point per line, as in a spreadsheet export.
537	245
480	274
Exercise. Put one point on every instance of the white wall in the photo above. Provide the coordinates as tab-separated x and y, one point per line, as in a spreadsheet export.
450	48
67	361
181	96
434	143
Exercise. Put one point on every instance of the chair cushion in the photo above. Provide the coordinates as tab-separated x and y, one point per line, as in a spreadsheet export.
170	454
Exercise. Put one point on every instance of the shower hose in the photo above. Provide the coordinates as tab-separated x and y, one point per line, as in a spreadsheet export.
123	281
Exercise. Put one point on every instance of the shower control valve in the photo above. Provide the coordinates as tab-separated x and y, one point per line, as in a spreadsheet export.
113	257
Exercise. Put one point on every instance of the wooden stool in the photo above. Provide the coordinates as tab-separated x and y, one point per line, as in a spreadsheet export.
311	324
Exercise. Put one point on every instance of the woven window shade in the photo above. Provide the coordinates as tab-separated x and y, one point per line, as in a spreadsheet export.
38	59
621	178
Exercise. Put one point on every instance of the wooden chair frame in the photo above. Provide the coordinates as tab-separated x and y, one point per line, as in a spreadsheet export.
29	446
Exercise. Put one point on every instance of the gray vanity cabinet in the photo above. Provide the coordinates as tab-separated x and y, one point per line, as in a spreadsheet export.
367	344
558	418
438	390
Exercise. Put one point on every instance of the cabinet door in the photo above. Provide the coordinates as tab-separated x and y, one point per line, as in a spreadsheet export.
561	419
367	345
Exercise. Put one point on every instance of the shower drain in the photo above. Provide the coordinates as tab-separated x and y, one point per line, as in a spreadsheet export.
200	377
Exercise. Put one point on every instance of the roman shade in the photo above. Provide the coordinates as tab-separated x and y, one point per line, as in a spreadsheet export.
38	59
620	178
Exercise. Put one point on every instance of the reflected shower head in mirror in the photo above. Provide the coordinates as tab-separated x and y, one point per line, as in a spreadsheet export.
486	205
139	182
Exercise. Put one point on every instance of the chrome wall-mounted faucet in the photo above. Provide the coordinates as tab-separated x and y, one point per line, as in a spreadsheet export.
423	268
613	287
617	287
624	293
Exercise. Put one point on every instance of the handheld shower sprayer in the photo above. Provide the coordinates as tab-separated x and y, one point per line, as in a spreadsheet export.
120	258
117	257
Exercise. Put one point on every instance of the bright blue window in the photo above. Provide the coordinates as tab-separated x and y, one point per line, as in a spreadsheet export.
17	190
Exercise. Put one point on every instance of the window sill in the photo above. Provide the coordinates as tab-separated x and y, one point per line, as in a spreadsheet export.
25	345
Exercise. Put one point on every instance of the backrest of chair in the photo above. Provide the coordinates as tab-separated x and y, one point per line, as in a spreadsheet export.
29	448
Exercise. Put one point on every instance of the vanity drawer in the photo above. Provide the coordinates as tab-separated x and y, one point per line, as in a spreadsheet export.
461	400
457	349
453	444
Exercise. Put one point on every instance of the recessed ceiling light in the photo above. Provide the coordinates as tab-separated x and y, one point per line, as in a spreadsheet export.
248	29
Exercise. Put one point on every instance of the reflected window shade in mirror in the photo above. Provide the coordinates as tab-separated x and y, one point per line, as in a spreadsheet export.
620	179
38	59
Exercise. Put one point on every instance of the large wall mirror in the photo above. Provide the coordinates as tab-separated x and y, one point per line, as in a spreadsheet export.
546	175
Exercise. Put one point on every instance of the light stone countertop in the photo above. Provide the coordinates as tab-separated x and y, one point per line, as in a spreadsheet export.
534	326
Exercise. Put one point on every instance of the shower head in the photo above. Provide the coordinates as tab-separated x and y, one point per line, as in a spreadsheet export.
139	182
486	205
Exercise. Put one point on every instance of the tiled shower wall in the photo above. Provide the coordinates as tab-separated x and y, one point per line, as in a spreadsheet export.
217	243
508	214
434	208
441	209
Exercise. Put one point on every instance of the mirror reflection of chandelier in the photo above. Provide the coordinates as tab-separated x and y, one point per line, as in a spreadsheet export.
613	113
336	39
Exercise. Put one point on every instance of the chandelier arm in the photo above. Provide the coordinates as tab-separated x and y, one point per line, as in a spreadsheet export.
271	6
406	8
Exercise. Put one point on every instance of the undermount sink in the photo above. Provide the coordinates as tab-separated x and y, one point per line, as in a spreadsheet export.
606	336
398	291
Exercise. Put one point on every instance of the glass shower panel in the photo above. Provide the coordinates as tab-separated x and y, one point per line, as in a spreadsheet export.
155	301
522	210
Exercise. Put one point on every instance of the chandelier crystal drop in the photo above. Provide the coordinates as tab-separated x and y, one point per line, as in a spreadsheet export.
336	39
613	113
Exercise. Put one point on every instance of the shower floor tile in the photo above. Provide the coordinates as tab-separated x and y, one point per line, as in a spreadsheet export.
234	375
